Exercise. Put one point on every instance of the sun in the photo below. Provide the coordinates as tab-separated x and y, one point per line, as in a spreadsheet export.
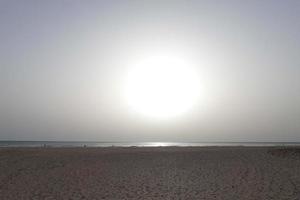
161	86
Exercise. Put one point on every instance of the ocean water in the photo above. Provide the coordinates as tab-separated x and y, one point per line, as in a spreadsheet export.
136	144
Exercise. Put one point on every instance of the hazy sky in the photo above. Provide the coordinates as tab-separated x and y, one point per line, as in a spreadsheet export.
62	64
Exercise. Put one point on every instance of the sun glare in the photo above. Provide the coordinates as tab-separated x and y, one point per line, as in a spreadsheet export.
162	86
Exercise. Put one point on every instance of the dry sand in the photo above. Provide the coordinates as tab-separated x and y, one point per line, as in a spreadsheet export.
231	173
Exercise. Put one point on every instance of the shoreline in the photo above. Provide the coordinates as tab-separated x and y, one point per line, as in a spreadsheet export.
141	147
52	144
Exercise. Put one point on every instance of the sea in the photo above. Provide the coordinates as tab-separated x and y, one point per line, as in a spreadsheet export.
66	144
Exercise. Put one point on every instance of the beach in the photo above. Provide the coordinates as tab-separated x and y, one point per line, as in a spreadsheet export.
162	173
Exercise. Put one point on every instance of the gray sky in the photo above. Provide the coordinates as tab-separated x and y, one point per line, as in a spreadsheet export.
62	64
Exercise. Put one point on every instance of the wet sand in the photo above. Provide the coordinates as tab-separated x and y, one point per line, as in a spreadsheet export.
162	173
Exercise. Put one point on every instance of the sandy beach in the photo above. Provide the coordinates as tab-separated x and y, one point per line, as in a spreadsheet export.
225	173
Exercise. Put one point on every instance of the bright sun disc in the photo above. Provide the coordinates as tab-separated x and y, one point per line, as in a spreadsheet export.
161	87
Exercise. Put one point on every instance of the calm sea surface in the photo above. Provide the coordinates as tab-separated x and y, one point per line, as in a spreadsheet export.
137	144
